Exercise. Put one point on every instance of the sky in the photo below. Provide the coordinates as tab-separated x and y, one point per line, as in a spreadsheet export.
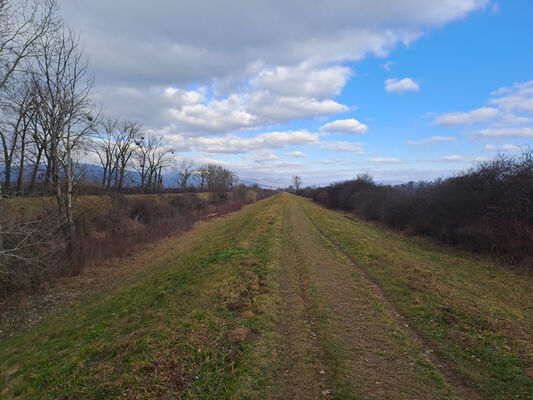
327	89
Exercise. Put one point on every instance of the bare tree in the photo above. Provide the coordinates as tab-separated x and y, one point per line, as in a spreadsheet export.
219	178
22	25
63	86
30	246
202	174
127	138
297	182
104	146
152	156
185	169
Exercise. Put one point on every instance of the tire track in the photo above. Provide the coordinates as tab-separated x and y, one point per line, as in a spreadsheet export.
453	378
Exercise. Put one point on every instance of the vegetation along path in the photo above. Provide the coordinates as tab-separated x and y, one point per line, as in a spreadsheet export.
288	300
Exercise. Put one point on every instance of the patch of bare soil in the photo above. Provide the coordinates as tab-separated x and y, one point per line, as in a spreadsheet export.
453	378
24	310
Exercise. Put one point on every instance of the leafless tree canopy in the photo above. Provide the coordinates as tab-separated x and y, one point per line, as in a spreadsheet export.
185	169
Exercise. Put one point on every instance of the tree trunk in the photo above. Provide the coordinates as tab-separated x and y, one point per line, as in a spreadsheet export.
1	226
20	178
105	176
35	171
70	228
7	175
121	176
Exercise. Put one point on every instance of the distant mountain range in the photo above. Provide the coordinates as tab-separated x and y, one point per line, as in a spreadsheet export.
95	172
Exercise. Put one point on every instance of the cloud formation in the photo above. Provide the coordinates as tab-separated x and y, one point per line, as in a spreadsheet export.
213	76
181	43
296	154
385	160
431	140
504	133
232	144
466	118
518	97
350	126
393	85
343	147
505	147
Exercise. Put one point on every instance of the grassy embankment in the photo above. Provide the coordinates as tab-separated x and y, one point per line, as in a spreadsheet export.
175	331
209	325
475	314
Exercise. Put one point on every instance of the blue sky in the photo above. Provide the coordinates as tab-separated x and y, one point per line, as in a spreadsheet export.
254	87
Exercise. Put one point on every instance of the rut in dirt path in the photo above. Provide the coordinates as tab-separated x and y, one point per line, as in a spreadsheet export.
364	352
302	374
454	379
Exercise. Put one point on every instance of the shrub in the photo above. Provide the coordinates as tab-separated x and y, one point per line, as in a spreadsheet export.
488	208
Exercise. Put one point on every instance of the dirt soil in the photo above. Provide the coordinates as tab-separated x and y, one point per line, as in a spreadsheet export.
340	338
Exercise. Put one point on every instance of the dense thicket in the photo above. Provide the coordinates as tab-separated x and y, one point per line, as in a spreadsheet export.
106	225
488	208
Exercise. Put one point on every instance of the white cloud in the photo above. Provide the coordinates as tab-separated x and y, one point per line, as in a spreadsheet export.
385	160
466	118
503	133
343	146
432	140
510	147
271	109
518	97
214	117
393	85
232	144
303	80
388	65
296	154
183	43
261	156
505	147
456	158
510	119
350	126
246	112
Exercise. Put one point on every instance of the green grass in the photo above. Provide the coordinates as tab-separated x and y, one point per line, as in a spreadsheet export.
166	334
475	314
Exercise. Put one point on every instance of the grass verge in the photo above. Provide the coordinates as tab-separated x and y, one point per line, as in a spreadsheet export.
475	314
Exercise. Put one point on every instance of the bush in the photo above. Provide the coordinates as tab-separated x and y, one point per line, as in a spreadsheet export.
488	208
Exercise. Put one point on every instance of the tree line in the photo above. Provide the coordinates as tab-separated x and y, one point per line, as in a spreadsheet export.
488	208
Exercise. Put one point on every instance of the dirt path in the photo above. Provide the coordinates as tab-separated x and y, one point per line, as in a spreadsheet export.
339	339
453	378
303	370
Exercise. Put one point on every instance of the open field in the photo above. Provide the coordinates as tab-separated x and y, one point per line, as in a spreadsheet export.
287	300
